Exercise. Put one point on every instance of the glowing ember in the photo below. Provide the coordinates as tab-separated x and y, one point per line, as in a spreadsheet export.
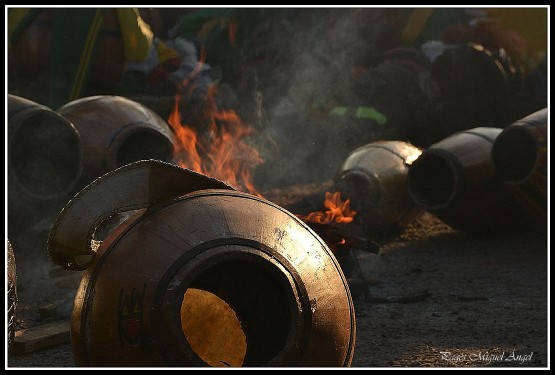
336	211
221	152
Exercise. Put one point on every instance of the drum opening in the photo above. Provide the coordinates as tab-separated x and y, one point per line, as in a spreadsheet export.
143	145
237	313
45	155
432	180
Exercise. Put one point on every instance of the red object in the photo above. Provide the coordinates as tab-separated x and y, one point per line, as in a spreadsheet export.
131	327
161	72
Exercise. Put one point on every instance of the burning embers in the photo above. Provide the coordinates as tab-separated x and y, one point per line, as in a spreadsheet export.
331	223
337	211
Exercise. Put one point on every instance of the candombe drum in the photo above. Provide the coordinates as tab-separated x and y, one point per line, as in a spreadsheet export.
519	157
200	275
44	162
12	296
116	131
374	178
454	179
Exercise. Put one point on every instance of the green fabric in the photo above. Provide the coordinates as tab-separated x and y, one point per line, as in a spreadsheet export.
371	113
361	113
74	40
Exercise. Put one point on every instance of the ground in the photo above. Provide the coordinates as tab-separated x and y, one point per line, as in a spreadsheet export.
438	298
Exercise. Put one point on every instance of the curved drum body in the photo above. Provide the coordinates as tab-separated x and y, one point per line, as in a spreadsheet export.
454	179
214	277
519	157
116	131
44	162
374	177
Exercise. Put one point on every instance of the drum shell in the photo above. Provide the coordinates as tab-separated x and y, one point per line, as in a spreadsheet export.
205	235
454	179
44	162
374	178
519	157
116	131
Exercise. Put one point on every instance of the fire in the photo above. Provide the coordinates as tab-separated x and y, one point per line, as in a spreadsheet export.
222	151
337	211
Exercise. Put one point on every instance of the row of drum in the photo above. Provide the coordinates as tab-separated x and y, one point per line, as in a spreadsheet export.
482	180
54	154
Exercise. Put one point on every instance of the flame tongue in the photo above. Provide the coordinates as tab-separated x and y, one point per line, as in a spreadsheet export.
337	211
222	152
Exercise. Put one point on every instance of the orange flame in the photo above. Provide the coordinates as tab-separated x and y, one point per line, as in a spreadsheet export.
223	152
336	211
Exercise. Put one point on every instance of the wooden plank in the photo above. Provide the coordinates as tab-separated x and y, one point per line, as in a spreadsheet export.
41	337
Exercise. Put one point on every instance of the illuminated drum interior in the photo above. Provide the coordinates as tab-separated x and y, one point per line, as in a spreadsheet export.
237	313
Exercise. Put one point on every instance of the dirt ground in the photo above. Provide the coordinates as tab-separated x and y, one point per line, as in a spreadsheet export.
438	298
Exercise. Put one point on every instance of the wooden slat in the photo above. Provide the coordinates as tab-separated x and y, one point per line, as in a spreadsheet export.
41	337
